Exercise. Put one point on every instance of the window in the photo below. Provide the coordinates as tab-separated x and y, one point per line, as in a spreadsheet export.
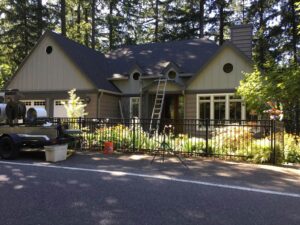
27	103
135	107
204	107
49	50
227	68
136	76
235	107
172	75
58	102
220	107
39	103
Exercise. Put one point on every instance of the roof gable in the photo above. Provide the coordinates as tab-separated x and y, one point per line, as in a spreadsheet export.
92	63
41	71
227	44
212	75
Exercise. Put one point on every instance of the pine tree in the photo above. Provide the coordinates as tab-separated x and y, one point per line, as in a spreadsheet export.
220	12
260	14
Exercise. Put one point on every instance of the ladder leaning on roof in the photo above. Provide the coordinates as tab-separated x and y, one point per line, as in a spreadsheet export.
158	104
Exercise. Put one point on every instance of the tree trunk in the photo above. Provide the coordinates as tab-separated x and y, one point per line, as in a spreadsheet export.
86	20
261	34
221	28
110	26
93	42
295	37
201	18
39	17
63	17
156	22
78	21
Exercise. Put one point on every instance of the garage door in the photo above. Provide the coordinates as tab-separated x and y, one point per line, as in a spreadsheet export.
34	103
59	109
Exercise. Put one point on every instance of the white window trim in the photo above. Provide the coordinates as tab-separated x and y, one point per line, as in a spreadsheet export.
212	106
131	103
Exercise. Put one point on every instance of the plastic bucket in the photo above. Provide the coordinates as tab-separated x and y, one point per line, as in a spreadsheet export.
108	147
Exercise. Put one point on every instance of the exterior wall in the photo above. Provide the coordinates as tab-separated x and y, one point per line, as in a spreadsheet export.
190	106
129	86
49	97
109	106
213	76
171	87
125	102
49	72
91	107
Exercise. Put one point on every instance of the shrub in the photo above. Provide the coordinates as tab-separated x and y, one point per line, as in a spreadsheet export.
232	140
291	148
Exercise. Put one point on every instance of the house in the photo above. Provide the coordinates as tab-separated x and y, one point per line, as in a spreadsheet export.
201	77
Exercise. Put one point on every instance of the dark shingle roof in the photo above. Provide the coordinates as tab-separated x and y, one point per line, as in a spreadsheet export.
90	62
188	55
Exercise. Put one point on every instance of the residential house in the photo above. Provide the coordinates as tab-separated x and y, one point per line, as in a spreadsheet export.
201	77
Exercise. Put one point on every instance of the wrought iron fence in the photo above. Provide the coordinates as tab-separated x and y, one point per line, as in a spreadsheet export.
251	140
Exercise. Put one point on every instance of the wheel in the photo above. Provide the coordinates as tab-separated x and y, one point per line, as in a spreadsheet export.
8	148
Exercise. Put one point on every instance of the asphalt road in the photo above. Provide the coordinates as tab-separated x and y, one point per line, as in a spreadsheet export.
97	189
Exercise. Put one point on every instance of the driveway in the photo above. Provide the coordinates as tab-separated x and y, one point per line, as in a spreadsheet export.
92	188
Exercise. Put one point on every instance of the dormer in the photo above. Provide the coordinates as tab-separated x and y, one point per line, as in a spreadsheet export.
135	73
171	71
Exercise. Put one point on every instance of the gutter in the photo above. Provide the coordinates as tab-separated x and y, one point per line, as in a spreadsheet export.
109	92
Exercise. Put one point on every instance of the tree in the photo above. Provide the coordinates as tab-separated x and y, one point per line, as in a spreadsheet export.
22	23
260	14
74	106
277	84
219	20
63	17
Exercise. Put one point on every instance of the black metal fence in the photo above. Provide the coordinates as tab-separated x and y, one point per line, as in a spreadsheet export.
258	141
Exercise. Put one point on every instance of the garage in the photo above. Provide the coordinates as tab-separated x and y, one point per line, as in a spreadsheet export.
34	103
59	109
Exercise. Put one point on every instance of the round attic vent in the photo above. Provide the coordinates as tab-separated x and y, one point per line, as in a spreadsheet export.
49	50
172	75
136	76
227	68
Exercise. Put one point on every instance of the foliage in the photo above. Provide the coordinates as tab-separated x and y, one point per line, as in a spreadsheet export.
232	140
279	85
74	106
291	148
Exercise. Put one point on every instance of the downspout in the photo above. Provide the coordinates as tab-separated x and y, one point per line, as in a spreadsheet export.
99	97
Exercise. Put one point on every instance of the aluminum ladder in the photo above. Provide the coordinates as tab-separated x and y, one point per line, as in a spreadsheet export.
158	104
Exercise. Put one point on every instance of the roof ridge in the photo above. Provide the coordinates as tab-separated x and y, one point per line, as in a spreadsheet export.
161	43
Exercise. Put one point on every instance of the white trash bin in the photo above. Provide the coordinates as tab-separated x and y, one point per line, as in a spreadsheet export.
55	153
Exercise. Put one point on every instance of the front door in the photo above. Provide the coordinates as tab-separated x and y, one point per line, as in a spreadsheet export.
173	111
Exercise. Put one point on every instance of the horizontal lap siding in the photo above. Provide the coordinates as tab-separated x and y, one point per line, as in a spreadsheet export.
190	106
109	106
91	107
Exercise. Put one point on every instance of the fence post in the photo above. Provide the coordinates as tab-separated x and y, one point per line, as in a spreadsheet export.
206	136
133	138
80	123
273	141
